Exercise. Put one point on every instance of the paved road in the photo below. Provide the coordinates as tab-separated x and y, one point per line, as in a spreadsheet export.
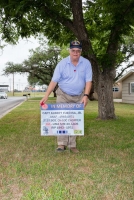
6	105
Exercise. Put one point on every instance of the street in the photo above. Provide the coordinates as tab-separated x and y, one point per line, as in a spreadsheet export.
6	105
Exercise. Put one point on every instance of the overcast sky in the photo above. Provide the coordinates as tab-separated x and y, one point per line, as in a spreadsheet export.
16	54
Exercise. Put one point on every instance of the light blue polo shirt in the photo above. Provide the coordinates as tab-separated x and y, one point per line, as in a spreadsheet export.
72	79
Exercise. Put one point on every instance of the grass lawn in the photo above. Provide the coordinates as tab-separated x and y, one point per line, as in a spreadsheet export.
31	169
32	94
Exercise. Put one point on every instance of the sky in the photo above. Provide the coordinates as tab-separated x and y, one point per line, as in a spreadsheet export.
16	54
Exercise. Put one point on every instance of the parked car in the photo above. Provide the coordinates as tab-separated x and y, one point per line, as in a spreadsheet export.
3	95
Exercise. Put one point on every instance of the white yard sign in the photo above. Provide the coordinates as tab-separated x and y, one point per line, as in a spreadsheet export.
62	119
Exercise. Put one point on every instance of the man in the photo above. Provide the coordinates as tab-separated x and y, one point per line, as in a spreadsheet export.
74	77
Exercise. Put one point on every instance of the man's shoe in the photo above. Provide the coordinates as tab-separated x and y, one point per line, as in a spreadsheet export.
74	150
61	148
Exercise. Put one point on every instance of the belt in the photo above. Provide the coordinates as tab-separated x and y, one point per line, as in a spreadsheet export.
71	95
74	95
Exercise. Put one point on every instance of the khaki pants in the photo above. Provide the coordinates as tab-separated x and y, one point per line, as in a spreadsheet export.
62	97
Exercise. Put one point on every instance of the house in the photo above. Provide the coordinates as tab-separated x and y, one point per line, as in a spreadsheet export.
117	91
123	88
126	83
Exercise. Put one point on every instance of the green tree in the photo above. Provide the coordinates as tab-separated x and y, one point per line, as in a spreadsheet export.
125	60
39	66
101	25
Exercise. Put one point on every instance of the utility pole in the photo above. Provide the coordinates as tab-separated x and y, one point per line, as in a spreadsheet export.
13	83
10	84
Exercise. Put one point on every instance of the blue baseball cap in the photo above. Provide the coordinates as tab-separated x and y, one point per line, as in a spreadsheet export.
75	44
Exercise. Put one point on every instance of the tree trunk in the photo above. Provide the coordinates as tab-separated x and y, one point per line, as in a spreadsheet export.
54	93
105	96
103	82
91	96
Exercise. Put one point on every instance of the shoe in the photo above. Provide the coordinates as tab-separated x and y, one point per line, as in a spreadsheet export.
74	150
61	148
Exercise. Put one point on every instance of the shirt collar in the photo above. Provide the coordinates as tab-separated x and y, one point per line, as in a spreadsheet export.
80	60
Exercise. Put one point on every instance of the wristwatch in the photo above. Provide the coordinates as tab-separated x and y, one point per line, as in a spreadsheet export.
86	95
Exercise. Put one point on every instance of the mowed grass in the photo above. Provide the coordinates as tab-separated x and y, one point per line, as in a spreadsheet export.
34	95
31	169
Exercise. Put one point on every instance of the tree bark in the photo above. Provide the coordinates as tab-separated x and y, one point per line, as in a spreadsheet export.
54	91
105	97
91	96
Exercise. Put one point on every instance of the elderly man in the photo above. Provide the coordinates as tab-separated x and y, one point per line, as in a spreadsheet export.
74	77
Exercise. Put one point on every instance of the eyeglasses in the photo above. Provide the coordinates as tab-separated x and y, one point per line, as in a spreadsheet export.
75	43
75	51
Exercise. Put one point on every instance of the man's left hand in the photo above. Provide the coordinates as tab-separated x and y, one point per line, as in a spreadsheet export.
85	101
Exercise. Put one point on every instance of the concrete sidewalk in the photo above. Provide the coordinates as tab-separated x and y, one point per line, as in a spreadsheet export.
117	100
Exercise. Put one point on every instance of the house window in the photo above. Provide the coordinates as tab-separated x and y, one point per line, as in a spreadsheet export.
115	89
132	87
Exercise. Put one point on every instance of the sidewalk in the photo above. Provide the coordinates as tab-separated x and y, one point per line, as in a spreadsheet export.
117	100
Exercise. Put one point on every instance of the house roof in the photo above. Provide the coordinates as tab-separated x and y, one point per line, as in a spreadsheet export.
125	75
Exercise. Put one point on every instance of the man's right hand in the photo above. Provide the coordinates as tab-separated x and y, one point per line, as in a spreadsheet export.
43	100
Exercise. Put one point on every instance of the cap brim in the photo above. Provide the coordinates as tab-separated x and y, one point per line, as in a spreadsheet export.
75	46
